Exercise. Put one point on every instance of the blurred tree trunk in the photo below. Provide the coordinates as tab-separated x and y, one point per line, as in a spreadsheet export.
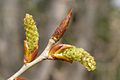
9	38
106	43
110	68
115	43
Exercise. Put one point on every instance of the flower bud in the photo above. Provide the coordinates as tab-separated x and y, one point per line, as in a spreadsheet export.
62	27
56	52
21	78
70	53
32	37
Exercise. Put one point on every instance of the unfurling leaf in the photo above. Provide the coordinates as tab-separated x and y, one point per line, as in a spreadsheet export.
71	53
62	27
31	41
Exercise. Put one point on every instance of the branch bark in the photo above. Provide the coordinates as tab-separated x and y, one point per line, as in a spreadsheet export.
42	57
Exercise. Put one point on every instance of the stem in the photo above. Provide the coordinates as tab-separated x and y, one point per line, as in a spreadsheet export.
42	57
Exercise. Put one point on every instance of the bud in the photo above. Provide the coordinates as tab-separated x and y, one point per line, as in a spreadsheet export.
62	27
21	78
32	37
56	52
70	53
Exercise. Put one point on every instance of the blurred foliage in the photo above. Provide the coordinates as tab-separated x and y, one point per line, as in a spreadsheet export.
118	73
102	28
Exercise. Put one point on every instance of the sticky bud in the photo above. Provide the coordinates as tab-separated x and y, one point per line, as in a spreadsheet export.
62	27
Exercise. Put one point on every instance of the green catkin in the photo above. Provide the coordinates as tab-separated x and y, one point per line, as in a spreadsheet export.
80	55
32	35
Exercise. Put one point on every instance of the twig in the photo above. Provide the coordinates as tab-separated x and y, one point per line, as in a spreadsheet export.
54	39
43	56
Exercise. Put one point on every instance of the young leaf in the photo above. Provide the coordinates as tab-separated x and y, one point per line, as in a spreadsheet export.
62	27
70	53
32	37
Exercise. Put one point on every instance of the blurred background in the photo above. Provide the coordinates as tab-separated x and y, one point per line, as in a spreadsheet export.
95	26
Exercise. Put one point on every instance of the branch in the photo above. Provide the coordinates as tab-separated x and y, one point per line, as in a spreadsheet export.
30	33
53	52
42	57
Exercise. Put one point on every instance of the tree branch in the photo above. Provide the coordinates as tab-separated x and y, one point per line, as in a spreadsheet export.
29	22
42	57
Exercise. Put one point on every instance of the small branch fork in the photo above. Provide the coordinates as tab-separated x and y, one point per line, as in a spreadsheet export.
43	56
